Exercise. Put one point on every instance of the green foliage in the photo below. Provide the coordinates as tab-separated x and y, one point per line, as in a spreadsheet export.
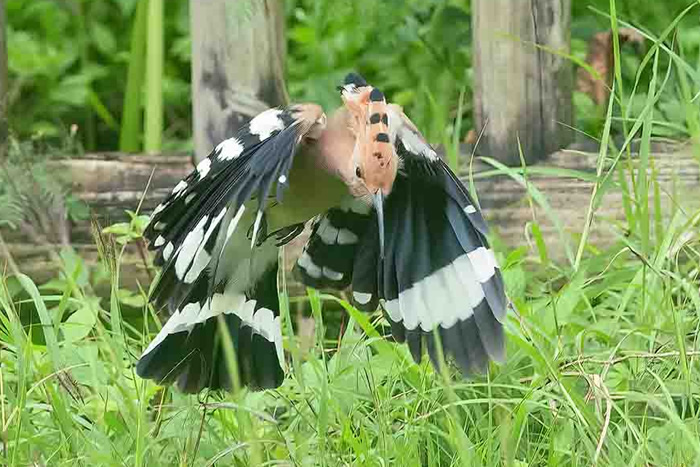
419	52
603	351
32	194
673	118
594	354
126	232
68	64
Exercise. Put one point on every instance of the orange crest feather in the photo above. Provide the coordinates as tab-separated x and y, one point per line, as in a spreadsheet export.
370	125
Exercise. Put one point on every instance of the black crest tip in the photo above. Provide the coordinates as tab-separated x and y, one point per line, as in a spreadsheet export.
356	79
376	95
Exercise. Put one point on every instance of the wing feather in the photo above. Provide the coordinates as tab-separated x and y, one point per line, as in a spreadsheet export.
439	271
186	228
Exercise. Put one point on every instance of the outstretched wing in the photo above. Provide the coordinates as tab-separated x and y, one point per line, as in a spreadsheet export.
203	223
185	229
438	270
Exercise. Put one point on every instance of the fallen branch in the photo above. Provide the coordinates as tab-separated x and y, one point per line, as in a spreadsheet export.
629	356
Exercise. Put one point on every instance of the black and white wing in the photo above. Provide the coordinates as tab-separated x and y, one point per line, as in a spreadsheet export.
438	270
208	221
183	229
327	259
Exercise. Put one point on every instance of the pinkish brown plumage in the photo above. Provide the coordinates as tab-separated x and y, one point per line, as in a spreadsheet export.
374	158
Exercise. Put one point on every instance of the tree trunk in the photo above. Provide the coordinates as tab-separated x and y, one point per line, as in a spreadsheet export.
238	53
522	90
4	84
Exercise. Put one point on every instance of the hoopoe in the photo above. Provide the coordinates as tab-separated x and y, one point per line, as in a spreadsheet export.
391	220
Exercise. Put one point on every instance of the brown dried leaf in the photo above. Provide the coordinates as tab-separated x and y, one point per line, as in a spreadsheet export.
600	58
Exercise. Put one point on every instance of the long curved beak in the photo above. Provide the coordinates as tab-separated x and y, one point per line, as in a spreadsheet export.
378	201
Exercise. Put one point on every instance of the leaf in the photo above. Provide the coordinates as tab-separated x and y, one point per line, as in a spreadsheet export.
139	223
516	282
101	110
46	322
72	90
74	266
103	38
126	232
134	300
181	48
79	325
29	57
120	228
127	6
77	209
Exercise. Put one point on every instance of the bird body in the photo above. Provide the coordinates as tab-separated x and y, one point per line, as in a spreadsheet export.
309	193
390	219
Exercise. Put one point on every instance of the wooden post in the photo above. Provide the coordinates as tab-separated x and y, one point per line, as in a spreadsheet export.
237	65
4	81
521	89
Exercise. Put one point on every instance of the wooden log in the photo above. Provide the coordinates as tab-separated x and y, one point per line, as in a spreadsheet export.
522	90
109	183
113	182
238	49
508	210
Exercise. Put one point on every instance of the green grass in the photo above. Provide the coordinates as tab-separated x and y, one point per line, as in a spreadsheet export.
602	363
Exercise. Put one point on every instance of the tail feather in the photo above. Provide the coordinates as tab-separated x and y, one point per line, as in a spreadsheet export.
189	348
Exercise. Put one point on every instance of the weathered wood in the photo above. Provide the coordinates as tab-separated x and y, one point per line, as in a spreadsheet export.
238	49
521	88
113	182
109	183
4	83
508	209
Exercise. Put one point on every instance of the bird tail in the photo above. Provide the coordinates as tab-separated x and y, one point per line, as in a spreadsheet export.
190	350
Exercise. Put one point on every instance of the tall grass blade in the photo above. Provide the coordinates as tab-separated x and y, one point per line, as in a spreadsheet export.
644	154
539	198
153	126
602	156
129	135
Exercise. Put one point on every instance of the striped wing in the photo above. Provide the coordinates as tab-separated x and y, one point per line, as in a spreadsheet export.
184	230
202	227
327	260
188	349
438	270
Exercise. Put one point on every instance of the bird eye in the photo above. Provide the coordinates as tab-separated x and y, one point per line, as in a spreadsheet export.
358	172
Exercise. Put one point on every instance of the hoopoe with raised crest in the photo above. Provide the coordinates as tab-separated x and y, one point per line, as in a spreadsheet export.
391	221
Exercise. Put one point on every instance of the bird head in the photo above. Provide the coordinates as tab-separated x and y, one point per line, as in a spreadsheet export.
374	161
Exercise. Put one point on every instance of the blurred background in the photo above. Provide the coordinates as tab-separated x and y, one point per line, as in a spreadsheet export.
69	63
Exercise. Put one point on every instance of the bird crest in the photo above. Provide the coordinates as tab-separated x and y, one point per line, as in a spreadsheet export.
375	160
